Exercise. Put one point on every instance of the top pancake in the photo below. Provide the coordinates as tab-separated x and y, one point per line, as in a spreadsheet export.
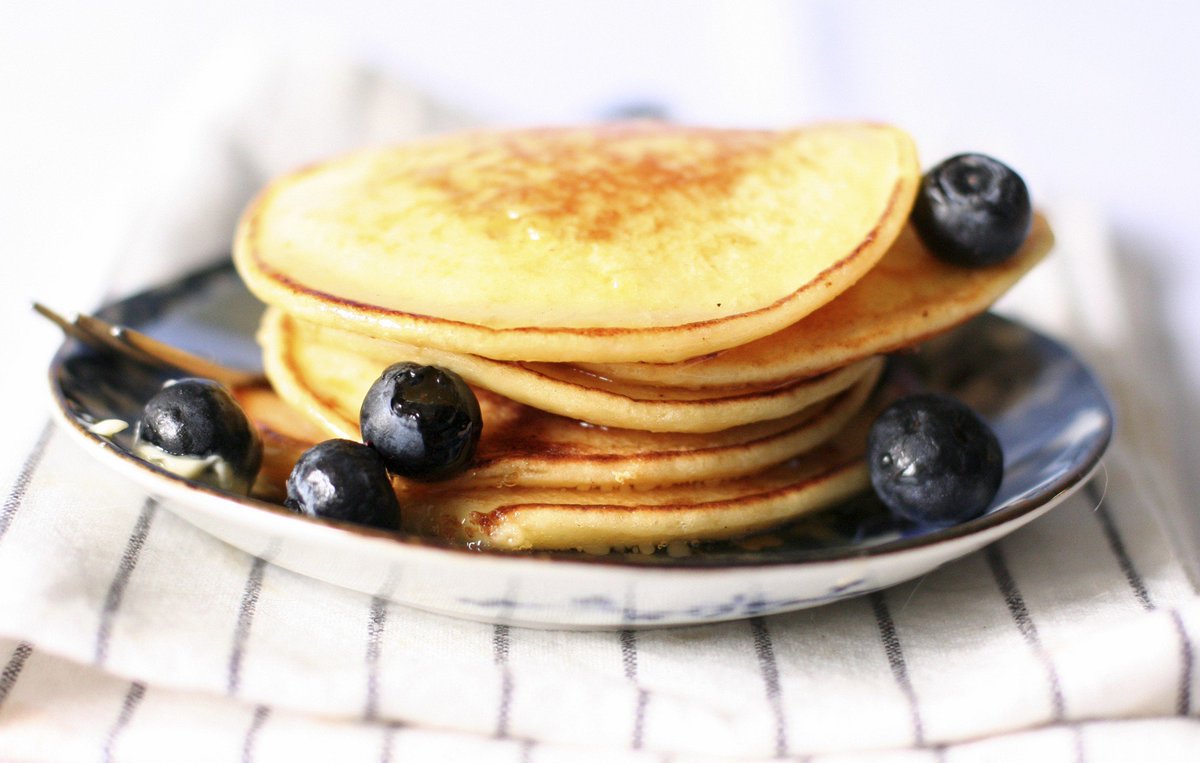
627	242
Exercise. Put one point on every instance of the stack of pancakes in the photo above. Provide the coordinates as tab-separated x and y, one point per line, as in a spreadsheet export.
674	333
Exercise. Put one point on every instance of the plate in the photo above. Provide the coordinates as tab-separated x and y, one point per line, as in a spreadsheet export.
1050	413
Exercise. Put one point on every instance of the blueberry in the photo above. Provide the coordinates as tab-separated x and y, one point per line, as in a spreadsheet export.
195	428
933	461
972	211
423	420
346	481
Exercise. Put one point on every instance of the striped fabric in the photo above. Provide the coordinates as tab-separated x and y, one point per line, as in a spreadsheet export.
128	635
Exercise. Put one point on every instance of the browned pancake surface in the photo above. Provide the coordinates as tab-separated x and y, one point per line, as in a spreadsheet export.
621	242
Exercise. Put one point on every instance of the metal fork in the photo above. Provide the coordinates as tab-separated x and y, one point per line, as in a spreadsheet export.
123	340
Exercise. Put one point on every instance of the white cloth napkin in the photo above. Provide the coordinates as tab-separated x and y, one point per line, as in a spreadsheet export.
126	634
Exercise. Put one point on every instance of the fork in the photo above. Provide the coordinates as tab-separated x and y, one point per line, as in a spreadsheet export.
123	340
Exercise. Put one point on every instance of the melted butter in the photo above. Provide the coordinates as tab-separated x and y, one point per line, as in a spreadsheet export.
677	549
108	427
212	470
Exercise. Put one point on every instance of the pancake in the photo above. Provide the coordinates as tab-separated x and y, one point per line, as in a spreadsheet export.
523	446
628	242
529	518
543	517
340	367
674	333
909	296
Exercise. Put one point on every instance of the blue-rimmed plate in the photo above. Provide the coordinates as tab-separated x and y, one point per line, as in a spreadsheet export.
1050	413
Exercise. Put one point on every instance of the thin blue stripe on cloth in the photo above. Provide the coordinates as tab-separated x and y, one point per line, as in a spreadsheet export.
116	590
245	618
1117	544
1029	631
16	495
765	651
1103	513
129	705
525	750
12	669
249	742
500	647
899	666
388	741
629	661
1187	665
376	623
1025	624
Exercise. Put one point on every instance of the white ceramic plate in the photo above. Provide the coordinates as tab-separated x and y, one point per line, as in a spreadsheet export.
1051	415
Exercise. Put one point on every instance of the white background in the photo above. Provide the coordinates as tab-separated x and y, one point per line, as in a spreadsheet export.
1094	102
